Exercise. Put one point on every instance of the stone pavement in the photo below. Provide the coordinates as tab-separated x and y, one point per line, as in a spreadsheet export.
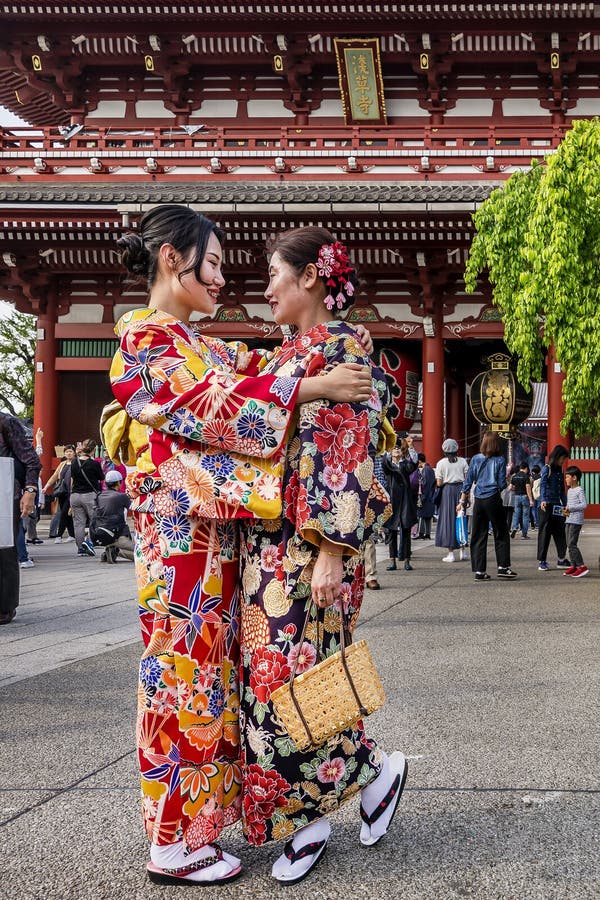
492	693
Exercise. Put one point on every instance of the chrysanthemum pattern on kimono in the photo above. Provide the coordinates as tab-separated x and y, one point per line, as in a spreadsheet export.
203	420
329	491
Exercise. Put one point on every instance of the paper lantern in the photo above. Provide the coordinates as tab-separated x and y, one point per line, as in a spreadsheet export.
498	400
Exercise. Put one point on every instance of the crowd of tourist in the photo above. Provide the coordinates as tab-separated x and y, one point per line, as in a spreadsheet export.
82	489
498	500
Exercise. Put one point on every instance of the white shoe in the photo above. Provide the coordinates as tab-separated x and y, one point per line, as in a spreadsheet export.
449	558
464	554
58	540
68	540
28	564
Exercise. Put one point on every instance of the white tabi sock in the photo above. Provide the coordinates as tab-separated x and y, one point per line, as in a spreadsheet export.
374	793
176	856
317	831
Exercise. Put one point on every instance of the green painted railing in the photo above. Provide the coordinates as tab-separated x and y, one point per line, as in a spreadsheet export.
585	452
590	482
90	347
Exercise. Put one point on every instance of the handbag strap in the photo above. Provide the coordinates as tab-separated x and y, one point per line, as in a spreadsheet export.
361	708
82	470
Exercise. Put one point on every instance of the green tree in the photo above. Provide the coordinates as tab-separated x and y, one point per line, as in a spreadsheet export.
17	363
538	237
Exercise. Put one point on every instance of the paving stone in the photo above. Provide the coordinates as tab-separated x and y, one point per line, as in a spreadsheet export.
492	693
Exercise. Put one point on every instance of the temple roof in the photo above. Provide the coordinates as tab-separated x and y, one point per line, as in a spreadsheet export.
239	195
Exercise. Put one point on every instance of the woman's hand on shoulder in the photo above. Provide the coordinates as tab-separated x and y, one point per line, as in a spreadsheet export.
344	383
364	336
349	383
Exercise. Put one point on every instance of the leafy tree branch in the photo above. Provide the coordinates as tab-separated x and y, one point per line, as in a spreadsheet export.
17	363
538	240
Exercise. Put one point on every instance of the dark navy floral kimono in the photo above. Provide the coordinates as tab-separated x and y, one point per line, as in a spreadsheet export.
329	491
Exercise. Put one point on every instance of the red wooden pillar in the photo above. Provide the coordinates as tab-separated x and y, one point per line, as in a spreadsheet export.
455	414
433	391
45	414
556	406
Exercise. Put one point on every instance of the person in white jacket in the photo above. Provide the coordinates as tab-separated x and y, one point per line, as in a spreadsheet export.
576	504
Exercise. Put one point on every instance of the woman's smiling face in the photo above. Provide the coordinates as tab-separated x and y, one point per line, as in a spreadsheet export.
284	293
201	295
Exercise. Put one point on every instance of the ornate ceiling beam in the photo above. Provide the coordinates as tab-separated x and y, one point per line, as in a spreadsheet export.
363	13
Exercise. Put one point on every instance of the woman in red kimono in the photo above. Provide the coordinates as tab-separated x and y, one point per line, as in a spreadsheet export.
332	502
216	446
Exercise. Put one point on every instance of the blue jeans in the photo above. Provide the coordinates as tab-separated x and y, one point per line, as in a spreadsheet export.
521	513
21	546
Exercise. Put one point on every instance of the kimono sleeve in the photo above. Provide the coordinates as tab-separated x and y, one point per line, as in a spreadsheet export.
161	382
248	362
338	497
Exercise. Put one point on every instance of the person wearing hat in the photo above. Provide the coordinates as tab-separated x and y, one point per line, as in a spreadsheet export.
112	502
450	473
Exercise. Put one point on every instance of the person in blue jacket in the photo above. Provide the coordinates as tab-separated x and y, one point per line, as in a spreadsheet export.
551	523
487	471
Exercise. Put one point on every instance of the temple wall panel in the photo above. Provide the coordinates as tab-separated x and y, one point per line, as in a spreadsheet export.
120	309
329	109
402	107
481	107
268	109
224	108
108	109
523	106
152	109
586	106
83	312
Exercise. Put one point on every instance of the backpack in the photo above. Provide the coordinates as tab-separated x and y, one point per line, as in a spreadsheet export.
104	527
536	487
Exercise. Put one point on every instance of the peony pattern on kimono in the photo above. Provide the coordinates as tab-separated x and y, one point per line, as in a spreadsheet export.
328	490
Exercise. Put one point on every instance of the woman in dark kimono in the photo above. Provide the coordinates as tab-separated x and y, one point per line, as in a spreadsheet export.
398	466
332	502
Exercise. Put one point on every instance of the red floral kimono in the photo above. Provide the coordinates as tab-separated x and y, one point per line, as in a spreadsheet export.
216	443
329	491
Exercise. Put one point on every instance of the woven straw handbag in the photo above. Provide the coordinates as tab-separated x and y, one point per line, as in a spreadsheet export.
331	696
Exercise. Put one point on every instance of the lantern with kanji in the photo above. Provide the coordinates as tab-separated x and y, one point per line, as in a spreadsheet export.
498	400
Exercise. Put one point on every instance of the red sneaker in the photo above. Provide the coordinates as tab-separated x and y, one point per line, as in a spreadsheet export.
580	571
570	571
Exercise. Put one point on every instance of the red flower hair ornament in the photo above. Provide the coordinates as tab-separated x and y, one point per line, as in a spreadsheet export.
334	266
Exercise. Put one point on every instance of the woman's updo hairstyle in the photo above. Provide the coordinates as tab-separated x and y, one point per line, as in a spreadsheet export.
300	246
170	223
